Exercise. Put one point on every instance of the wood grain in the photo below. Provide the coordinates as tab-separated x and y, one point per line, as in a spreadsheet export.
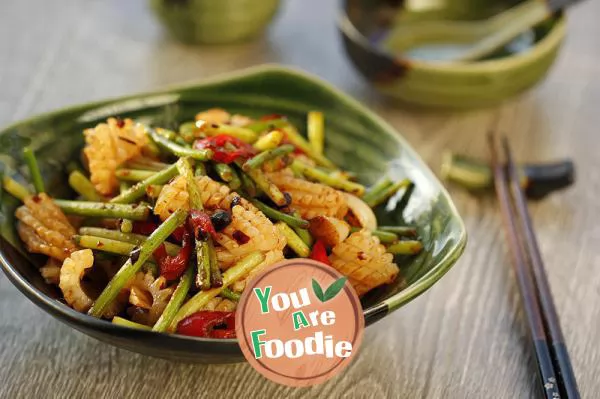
465	338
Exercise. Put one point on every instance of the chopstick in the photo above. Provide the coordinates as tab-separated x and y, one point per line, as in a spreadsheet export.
554	366
552	323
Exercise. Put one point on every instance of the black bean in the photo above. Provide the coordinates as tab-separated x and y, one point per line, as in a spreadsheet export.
220	219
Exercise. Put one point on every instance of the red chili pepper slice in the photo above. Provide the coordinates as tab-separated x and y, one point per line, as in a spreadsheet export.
223	334
206	324
285	140
178	233
319	253
226	149
172	267
240	237
201	225
147	228
144	228
272	117
298	151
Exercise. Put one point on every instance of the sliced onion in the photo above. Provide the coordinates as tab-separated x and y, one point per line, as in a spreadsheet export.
140	298
330	230
363	212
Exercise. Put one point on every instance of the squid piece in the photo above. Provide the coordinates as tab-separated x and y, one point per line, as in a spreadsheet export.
240	120
71	274
311	199
365	261
76	295
250	230
44	228
149	294
220	305
214	115
51	271
174	196
108	145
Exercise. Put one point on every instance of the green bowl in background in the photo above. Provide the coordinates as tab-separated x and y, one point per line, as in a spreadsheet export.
214	21
356	139
366	27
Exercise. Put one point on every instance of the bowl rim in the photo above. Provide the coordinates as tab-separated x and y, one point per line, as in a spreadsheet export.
371	314
546	44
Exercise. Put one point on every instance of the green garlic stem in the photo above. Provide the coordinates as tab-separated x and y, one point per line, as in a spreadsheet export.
139	190
104	244
15	188
270	189
131	238
385	237
316	131
269	140
176	300
296	139
104	210
242	133
401	231
133	175
248	185
231	295
382	196
258	160
128	323
84	187
405	248
274	214
224	171
328	179
146	164
179	150
34	170
379	186
293	240
261	126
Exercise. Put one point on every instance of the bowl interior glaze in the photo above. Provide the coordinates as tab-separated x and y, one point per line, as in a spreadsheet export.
356	139
366	25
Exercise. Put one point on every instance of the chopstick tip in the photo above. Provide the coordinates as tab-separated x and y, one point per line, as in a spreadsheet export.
507	152
505	143
491	136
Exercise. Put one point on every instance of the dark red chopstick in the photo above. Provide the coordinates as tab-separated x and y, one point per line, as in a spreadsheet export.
549	371
567	381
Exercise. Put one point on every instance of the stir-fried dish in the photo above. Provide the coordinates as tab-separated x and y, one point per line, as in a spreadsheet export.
168	226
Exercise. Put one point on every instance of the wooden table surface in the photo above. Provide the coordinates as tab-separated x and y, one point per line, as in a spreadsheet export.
464	338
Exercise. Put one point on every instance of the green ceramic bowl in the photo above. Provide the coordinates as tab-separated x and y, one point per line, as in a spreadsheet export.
365	23
214	21
356	139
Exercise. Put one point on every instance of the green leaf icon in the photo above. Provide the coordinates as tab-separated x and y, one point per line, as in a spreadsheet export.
334	288
330	292
318	290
